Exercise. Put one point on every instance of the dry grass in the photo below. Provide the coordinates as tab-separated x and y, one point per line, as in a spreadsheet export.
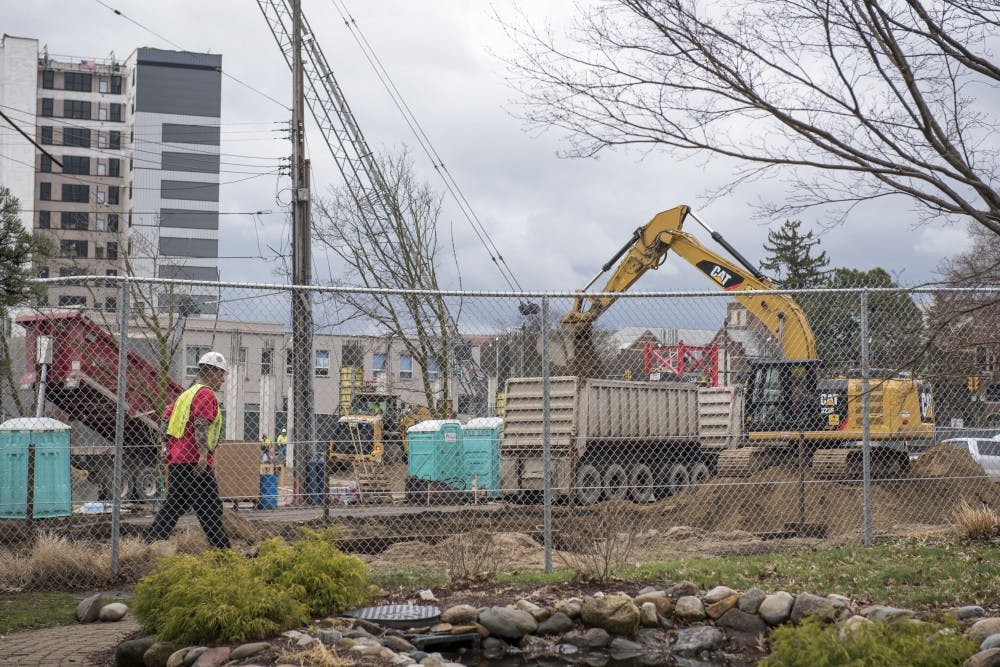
473	555
317	655
600	545
977	523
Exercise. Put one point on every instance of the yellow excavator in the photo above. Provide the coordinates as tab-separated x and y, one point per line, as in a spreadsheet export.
787	402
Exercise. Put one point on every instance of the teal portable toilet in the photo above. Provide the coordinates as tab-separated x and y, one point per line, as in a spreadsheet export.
434	452
481	454
53	486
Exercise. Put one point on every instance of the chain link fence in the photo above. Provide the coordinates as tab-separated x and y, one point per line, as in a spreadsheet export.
482	431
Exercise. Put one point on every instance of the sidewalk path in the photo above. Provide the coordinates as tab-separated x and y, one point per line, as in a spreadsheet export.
64	646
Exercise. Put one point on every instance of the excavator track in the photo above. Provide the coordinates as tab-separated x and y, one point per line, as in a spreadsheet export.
742	461
846	463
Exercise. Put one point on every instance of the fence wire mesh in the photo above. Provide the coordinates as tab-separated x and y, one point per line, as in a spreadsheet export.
481	432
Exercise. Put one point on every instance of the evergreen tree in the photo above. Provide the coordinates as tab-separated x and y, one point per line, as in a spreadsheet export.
790	257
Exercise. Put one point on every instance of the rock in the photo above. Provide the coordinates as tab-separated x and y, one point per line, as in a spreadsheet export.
884	614
193	654
717	593
623	649
158	654
460	614
983	628
807	604
751	599
571	607
993	641
717	609
648	616
596	638
402	659
738	619
664	605
353	633
129	653
418	655
839	601
615	613
176	658
291	634
88	608
112	612
776	608
538	613
247	650
493	648
556	624
990	658
442	627
471	627
689	608
328	636
213	657
683	588
427	595
568	649
533	646
507	623
968	611
305	641
696	639
649	590
852	625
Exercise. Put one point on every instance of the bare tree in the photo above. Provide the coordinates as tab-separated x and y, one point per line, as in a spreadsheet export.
849	100
395	247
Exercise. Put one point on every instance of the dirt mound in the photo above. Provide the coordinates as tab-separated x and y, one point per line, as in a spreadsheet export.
946	460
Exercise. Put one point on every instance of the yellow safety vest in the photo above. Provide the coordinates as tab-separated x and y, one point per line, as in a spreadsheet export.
181	415
281	439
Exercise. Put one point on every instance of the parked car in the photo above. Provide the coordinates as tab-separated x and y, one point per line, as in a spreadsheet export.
984	451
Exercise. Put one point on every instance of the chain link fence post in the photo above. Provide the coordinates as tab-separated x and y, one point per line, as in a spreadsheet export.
546	438
866	444
116	485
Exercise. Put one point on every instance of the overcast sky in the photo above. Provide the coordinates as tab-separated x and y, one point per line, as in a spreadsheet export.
555	220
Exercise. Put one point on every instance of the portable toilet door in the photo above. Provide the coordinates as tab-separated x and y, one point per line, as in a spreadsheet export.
481	454
434	451
450	468
52	486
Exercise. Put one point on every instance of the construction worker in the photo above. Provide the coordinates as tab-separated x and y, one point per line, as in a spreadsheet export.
266	449
194	424
282	447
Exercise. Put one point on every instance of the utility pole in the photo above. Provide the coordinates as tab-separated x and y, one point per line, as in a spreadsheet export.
309	467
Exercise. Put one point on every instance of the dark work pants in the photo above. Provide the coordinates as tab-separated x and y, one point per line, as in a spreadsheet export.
187	488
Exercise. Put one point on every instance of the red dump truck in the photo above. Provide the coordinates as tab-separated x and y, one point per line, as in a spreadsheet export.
82	381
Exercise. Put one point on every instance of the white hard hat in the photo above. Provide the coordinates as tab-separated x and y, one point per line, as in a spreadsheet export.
214	359
284	430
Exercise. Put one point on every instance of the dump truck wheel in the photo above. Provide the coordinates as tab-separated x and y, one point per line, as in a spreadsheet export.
700	474
640	483
615	482
677	478
146	483
588	485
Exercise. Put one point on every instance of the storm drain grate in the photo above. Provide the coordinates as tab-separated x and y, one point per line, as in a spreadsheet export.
398	615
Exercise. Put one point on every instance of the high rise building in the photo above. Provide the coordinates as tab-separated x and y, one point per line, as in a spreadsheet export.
138	189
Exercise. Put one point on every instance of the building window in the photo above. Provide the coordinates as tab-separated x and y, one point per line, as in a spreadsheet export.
115	140
113	194
323	363
191	356
46	166
101	223
76	164
110	304
433	370
102	169
378	364
70	300
44	219
266	361
73	249
76	109
75	193
98	252
47	135
116	85
47	106
48	79
100	196
74	220
102	85
241	356
112	250
102	113
76	136
405	367
111	272
102	140
112	222
116	112
78	81
43	272
288	362
115	167
45	191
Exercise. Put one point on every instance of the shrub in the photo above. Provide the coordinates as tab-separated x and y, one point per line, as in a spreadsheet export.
980	523
216	597
327	580
903	643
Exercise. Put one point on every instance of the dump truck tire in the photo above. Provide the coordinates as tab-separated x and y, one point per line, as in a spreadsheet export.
640	483
588	485
615	482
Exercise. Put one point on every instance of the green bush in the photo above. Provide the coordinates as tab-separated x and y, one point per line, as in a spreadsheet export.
903	643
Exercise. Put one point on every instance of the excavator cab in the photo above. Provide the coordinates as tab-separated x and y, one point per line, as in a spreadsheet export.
782	396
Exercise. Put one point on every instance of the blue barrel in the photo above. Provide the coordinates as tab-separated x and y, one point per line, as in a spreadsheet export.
316	483
268	492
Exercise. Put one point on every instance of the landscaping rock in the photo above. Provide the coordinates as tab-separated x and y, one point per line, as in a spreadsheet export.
751	599
691	641
460	614
682	589
990	658
623	649
615	613
112	612
983	628
398	644
442	627
664	605
689	608
851	625
213	657
590	638
193	654
776	608
508	623
807	604
328	636
570	606
533	646
649	590
969	611
538	613
993	641
402	660
492	648
426	595
716	594
247	650
556	624
884	614
742	621
176	658
89	608
648	617
129	653
158	654
717	609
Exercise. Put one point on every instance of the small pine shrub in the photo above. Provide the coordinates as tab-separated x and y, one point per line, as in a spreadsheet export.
216	597
900	644
330	581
